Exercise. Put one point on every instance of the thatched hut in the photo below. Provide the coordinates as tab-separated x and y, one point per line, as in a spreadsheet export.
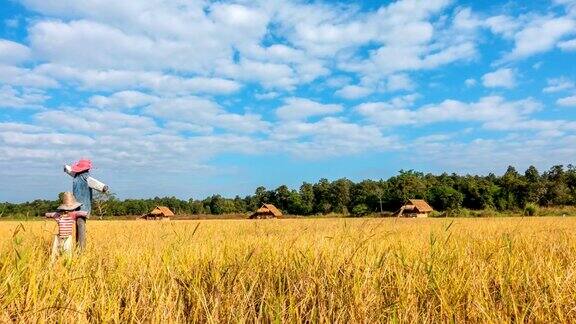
267	211
414	208
159	213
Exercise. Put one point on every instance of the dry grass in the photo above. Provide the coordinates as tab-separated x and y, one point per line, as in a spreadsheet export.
295	270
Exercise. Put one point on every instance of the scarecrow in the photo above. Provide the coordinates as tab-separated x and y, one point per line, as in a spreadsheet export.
68	212
82	186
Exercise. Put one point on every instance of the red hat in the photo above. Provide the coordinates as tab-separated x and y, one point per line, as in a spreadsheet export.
81	166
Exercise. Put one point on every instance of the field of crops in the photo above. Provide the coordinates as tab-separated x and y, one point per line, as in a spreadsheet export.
325	270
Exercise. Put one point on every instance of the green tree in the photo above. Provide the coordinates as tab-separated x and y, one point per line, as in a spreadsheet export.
340	195
445	198
307	202
360	210
220	205
534	189
322	197
240	205
557	190
406	185
282	197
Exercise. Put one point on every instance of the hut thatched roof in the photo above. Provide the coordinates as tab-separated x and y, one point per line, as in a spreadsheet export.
162	211
269	209
421	205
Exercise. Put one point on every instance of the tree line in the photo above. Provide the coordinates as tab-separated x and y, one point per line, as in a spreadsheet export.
445	192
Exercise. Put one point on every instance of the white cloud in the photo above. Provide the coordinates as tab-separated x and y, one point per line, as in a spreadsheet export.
122	100
569	45
353	92
236	18
12	52
111	80
503	77
269	74
23	98
558	84
17	76
322	30
490	155
401	31
267	95
187	127
23	139
19	127
204	112
166	36
225	40
540	35
330	137
90	44
503	25
301	108
567	101
92	121
470	82
398	82
487	110
338	81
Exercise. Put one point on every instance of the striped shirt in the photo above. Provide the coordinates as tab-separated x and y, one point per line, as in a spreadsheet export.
66	221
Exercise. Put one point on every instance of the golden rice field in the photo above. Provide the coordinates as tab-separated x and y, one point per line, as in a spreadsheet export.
295	270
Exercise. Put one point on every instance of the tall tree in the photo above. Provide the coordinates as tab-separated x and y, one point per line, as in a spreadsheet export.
307	198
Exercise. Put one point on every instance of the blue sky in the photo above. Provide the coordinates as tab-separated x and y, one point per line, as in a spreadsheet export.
191	98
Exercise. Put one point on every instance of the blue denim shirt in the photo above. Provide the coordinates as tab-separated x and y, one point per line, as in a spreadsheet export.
82	191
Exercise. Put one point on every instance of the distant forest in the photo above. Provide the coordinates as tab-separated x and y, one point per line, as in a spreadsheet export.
513	191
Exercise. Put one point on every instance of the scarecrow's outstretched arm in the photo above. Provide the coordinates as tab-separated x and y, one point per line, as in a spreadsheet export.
51	215
68	170
97	185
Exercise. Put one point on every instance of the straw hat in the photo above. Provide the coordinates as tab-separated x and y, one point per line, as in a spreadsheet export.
82	165
68	202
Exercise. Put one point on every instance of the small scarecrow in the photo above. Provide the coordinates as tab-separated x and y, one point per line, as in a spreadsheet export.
82	186
66	215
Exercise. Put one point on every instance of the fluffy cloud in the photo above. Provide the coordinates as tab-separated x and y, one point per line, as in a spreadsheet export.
111	80
540	35
503	25
187	127
101	50
567	101
569	45
92	121
398	82
146	35
353	92
558	84
122	100
267	95
17	76
19	127
488	110
503	77
330	137
24	98
487	154
204	112
301	108
22	139
270	75
12	52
